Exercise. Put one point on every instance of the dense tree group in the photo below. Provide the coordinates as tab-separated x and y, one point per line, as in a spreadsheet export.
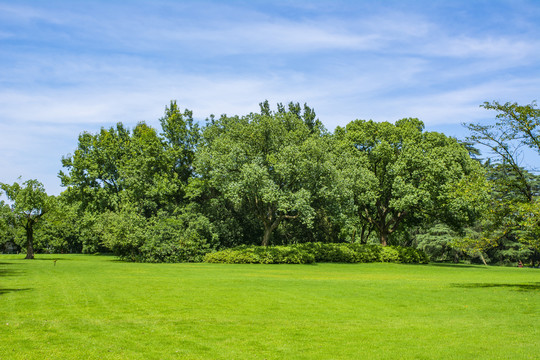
278	177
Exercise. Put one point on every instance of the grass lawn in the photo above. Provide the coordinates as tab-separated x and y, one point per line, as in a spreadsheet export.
93	307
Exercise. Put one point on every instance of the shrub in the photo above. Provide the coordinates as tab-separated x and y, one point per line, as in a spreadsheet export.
411	256
367	253
261	255
183	238
316	252
389	254
186	238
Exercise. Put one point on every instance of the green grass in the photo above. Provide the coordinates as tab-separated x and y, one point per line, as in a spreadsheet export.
93	307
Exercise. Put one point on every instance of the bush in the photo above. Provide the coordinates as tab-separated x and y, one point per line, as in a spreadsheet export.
411	256
389	254
186	238
367	253
317	252
183	238
332	252
261	255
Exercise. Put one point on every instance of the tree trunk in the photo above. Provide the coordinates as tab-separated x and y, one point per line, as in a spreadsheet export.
270	226
266	235
384	237
483	260
29	242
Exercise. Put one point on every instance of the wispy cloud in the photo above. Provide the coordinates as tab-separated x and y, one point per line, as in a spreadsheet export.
489	48
74	66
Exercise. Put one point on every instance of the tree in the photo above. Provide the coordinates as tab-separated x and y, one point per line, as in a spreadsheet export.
437	243
150	182
516	126
94	177
181	136
261	164
400	176
30	204
514	211
117	167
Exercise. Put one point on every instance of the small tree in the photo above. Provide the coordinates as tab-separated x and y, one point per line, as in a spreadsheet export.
30	203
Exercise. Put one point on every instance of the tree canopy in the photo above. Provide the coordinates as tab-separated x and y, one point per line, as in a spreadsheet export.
513	214
117	167
263	164
400	176
278	177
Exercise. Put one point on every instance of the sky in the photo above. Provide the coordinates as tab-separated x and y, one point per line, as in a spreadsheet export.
73	66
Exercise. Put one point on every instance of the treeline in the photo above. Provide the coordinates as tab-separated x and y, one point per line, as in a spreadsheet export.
278	177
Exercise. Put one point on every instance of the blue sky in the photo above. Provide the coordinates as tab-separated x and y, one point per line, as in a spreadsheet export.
74	66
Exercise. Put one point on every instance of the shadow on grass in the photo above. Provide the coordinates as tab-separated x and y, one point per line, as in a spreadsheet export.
4	271
458	265
23	260
11	272
535	286
49	259
6	291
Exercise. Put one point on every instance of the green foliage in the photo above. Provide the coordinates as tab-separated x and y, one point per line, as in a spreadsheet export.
278	177
30	204
342	252
516	126
408	255
261	255
185	238
437	242
5	218
7	230
94	170
513	215
528	223
389	254
263	164
64	230
130	236
180	136
123	233
317	252
138	169
399	176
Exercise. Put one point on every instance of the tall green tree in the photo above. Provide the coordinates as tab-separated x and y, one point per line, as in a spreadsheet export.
400	176
151	185
140	169
30	204
94	176
515	189
181	136
262	163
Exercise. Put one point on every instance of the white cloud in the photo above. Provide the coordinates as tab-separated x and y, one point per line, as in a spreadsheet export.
103	63
23	13
274	37
460	105
489	48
